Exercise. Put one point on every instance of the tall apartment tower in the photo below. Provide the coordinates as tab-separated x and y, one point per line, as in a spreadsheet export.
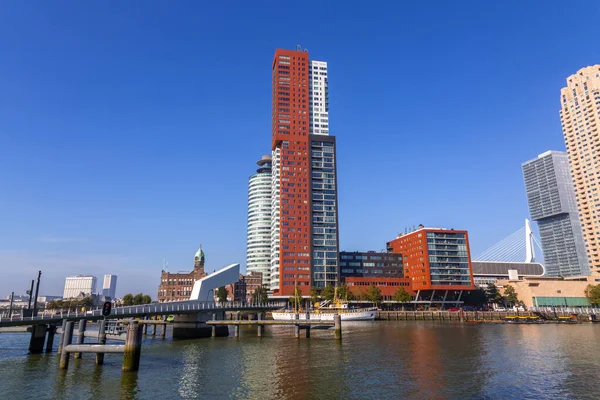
304	220
552	205
258	242
580	117
109	287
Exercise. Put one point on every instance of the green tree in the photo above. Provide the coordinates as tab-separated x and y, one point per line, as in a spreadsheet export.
147	299
87	302
592	293
138	299
477	297
374	294
402	296
314	295
128	299
328	292
260	295
344	293
493	294
222	294
510	295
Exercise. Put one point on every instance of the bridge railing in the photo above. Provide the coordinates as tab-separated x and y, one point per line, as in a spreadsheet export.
154	308
567	310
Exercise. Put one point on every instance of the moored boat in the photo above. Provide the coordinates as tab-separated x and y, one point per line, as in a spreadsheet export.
325	312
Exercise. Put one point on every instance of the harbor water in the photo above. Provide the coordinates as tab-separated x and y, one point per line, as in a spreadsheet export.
375	360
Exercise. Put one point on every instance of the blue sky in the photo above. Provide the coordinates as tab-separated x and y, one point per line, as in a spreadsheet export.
128	130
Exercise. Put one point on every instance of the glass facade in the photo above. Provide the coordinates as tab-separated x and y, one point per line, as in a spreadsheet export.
324	213
448	258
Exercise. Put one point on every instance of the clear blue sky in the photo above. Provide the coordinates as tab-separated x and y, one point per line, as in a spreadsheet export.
128	130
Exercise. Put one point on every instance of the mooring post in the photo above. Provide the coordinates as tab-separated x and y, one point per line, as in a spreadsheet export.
50	340
101	340
80	334
38	337
154	329
297	330
461	315
261	327
308	330
133	347
66	340
62	332
337	324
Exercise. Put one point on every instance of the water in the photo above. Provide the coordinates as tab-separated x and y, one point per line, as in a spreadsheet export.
375	360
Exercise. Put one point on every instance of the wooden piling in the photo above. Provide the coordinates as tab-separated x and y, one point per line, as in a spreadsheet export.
66	340
260	327
101	340
297	330
50	338
133	347
38	337
214	327
236	330
337	320
80	335
307	331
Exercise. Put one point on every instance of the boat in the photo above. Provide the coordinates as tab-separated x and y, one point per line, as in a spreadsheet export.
325	311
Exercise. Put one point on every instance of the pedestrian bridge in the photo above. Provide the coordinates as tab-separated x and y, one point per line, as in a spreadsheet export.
178	307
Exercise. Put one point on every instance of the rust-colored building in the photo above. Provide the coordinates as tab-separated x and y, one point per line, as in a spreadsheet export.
437	261
178	286
243	289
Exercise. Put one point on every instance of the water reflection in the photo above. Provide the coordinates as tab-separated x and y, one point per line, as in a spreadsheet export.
129	385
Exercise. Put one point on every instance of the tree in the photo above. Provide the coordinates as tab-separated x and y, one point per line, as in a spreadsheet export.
87	302
128	299
314	295
146	299
493	294
260	295
510	295
402	296
222	294
328	292
477	297
344	293
373	294
138	299
592	293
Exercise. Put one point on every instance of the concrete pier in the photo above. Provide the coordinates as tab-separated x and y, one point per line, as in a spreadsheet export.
38	337
62	332
66	340
261	328
50	338
337	321
80	335
193	326
101	340
133	347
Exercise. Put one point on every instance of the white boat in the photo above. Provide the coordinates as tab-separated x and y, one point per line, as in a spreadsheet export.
325	312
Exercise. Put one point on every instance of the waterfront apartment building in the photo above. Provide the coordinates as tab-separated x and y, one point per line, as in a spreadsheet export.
580	118
437	261
258	240
304	205
109	288
178	286
358	270
552	205
80	285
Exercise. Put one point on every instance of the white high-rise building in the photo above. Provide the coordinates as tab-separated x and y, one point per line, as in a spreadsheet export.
109	288
76	285
318	98
258	246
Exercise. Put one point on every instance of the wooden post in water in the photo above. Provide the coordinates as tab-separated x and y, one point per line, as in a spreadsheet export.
260	327
145	326
50	340
101	340
297	330
308	331
214	327
337	326
66	340
133	347
63	329
80	334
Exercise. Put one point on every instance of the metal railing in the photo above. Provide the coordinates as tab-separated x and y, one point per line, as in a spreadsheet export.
182	307
567	310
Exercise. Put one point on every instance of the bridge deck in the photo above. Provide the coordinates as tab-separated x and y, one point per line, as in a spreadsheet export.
262	322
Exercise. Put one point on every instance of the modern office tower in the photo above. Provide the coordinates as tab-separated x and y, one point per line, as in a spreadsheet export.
580	117
304	223
78	285
552	205
258	242
109	288
437	261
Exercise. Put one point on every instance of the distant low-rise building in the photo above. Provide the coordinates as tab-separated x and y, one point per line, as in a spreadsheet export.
244	288
488	272
550	291
178	286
